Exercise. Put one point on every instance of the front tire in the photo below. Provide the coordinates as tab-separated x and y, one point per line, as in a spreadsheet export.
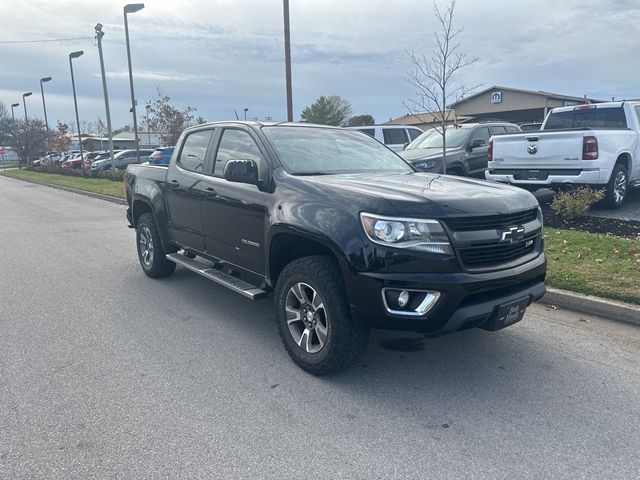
617	188
152	257
313	317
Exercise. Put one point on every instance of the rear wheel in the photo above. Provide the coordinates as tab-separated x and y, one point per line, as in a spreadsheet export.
617	188
150	252
313	317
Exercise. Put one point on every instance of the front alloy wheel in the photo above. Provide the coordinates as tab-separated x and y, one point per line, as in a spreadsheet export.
306	317
313	316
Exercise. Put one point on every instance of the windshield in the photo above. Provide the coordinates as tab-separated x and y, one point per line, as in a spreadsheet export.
327	151
456	137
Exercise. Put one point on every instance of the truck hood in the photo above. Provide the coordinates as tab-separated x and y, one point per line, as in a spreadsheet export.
430	195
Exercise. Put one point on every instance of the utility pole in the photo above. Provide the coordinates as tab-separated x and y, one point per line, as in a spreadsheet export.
287	60
99	35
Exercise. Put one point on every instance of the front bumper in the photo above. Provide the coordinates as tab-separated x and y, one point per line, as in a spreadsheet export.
467	299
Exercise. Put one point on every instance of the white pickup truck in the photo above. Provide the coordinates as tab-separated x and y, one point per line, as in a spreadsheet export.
596	145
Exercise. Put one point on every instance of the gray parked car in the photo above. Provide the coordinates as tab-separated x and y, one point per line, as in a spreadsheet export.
467	148
123	158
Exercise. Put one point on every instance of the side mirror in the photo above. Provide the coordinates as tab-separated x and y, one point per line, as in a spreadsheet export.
476	143
241	171
406	144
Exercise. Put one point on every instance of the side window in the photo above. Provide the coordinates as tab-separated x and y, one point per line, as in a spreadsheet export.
394	136
497	130
482	133
235	145
369	131
512	129
194	151
413	133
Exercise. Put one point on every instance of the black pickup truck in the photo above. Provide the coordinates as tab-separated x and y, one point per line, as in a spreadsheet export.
346	233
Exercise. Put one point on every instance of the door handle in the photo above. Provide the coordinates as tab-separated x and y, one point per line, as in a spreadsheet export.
210	192
173	183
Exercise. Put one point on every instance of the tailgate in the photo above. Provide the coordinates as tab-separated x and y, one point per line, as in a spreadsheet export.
549	150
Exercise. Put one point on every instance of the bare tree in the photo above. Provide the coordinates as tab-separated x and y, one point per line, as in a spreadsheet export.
27	139
434	77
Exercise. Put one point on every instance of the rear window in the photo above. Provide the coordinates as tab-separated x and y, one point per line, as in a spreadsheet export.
592	118
414	133
394	136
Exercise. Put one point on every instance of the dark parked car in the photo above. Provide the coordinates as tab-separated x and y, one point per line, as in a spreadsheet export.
467	148
530	127
123	158
161	156
347	235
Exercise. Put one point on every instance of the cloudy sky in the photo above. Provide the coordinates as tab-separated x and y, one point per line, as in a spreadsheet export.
226	55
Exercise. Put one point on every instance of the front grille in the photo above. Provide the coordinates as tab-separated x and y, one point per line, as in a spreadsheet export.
488	256
491	222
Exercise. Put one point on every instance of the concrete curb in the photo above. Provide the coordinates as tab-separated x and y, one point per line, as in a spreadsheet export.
587	304
108	198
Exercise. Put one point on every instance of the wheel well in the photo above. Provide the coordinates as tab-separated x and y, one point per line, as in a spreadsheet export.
287	247
139	208
625	159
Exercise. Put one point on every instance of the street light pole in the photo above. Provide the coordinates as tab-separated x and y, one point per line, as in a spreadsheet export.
13	115
148	129
132	8
73	55
44	107
99	35
24	102
26	123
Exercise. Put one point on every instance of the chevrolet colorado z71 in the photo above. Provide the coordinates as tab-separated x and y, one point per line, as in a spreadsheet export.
346	234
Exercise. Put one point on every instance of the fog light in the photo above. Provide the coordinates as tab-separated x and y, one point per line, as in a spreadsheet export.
403	299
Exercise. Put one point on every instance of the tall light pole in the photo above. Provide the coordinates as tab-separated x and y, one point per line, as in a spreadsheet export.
148	129
99	35
132	8
44	107
26	121
24	102
13	115
287	60
73	55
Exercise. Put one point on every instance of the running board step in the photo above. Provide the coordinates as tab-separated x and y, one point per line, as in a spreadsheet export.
239	286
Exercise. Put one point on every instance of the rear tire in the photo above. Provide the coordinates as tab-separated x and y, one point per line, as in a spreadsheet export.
151	254
617	188
314	319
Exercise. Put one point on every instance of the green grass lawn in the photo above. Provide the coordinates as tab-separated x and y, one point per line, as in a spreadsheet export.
97	185
594	264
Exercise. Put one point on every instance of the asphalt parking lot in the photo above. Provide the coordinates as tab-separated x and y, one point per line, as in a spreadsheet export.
105	373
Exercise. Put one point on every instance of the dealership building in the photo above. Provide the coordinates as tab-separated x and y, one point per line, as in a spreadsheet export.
501	103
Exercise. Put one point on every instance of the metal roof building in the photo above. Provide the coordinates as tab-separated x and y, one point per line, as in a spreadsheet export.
513	104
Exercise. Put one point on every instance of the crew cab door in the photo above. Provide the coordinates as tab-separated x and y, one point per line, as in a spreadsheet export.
184	190
234	214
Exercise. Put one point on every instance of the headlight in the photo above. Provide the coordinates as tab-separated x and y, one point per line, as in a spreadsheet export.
427	165
409	233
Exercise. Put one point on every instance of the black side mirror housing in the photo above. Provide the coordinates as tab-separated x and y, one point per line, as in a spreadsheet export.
476	143
241	171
